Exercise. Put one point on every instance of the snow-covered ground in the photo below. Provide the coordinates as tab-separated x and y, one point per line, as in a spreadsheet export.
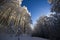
21	37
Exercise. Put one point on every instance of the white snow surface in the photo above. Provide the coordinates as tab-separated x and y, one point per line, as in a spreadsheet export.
21	37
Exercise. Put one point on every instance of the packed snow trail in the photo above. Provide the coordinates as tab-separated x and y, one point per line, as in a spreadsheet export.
21	37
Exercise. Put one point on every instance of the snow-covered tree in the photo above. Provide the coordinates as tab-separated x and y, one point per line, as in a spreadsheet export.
25	20
41	29
13	17
8	10
55	5
56	28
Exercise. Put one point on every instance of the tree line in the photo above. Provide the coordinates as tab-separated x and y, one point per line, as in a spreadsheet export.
49	27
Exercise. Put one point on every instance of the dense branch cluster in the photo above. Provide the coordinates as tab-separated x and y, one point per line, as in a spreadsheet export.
55	5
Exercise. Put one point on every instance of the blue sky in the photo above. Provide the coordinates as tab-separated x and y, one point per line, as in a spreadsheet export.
37	8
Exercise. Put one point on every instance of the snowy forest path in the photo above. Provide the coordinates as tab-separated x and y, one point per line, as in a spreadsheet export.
21	37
